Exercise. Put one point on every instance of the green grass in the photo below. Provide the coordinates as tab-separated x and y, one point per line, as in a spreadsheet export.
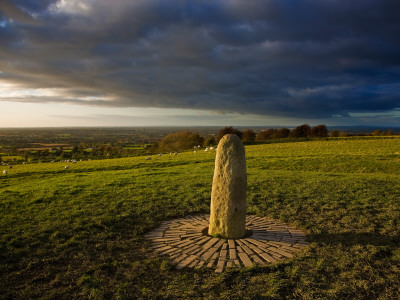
78	233
11	158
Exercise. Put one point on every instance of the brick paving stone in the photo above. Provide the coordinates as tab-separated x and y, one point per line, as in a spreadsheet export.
268	257
209	253
220	266
174	255
160	249
276	255
197	251
191	235
258	243
203	240
179	259
245	260
158	243
201	251
186	261
220	243
284	253
255	248
167	251
239	242
182	240
257	259
193	263
223	253
210	243
158	234
182	244
190	243
279	244
212	260
247	249
210	263
199	264
191	249
232	253
166	239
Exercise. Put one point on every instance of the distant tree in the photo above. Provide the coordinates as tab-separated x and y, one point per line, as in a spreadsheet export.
334	133
282	133
266	134
377	133
209	142
248	135
301	131
179	141
319	131
228	130
390	132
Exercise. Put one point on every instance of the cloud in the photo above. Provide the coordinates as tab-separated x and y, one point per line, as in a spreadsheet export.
300	59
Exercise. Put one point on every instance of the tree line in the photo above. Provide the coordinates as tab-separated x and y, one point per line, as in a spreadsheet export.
123	142
184	140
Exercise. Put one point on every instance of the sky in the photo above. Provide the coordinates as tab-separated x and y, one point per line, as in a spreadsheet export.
192	62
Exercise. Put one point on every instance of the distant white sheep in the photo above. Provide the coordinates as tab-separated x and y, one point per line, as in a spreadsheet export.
66	167
148	158
159	154
5	172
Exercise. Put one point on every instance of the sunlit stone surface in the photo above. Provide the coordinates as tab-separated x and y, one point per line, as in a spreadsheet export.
228	197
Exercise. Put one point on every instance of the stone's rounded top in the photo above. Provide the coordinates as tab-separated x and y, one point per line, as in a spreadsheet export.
230	138
231	145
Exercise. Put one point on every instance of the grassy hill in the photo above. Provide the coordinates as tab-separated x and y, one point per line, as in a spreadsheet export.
78	232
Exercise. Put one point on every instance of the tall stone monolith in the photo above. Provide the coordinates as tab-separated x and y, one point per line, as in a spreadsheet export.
228	196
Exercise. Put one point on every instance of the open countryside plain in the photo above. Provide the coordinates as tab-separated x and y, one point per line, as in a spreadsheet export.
79	232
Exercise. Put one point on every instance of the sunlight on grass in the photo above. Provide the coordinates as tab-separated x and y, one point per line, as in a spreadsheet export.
79	231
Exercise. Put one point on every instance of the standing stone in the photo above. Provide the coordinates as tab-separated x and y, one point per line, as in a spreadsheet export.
228	196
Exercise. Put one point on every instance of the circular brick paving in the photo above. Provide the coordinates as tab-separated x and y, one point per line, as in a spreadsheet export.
185	242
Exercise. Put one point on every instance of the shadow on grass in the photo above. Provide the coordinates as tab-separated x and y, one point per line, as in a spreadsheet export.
353	238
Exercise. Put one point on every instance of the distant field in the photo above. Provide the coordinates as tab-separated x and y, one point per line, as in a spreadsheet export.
78	232
11	158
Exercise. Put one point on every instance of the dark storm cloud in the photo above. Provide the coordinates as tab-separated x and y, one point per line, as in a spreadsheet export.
289	58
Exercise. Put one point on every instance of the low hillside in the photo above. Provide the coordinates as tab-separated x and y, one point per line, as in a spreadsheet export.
79	232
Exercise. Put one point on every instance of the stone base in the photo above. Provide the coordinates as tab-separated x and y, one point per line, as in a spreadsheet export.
186	242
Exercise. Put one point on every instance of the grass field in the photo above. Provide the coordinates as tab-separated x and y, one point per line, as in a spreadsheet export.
78	233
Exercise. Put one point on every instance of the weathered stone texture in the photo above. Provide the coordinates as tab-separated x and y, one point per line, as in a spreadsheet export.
228	197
